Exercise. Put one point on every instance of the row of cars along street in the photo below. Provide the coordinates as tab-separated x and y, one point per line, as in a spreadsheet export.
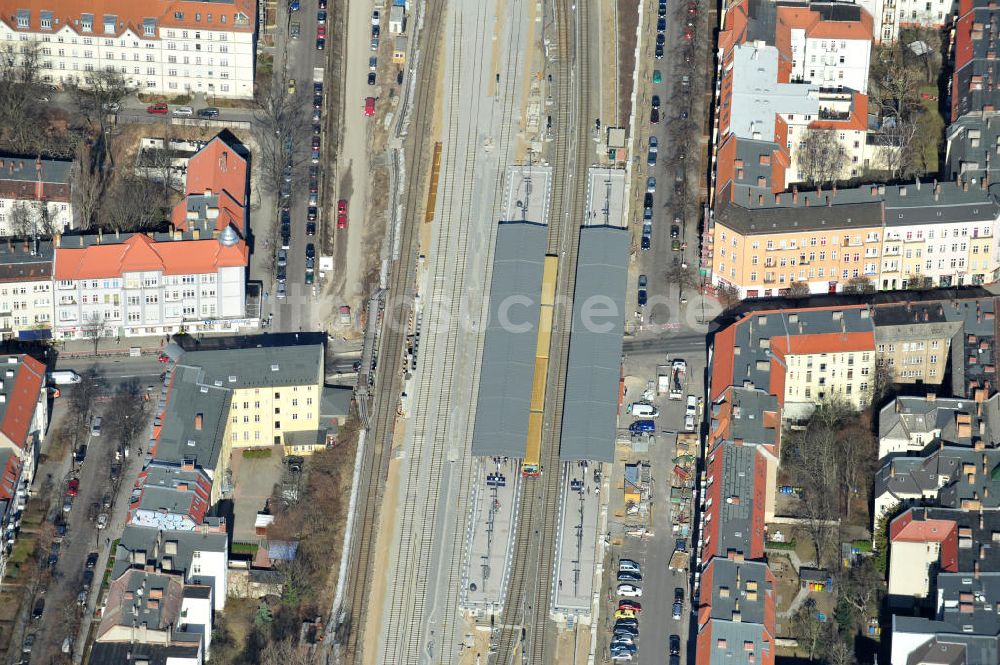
625	631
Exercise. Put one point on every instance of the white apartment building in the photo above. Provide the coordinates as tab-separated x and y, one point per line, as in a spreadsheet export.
187	46
828	47
137	284
891	15
41	187
26	290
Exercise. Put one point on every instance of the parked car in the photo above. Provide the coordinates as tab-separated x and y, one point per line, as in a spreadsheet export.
91	560
321	16
642	426
310	228
644	243
159	108
73	487
295	31
688	423
658	52
654	116
625	576
678	608
320	44
651	185
280	292
81	454
642	298
674	230
38	609
310	251
369	106
371	78
183	110
629	591
282	257
376	18
629	605
661	24
208	112
675	645
102	520
342	214
29	642
95	426
321	31
312	212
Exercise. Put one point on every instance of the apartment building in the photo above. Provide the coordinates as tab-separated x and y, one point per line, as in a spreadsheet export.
889	16
735	497
736	620
222	400
889	237
191	278
801	356
13	499
830	43
175	48
973	83
26	302
35	196
24	413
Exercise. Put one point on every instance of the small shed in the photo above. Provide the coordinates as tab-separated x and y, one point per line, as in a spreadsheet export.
399	50
397	20
815	579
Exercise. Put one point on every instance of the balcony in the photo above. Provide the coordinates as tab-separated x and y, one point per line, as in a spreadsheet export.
830	114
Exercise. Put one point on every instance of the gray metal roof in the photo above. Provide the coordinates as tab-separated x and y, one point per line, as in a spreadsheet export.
744	643
268	366
739	586
142	546
590	411
508	365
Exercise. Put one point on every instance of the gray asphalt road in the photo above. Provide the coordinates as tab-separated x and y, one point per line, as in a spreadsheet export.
297	58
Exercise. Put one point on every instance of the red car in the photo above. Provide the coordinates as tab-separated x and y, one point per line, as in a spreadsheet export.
369	106
320	31
692	8
629	605
689	33
160	108
73	487
342	214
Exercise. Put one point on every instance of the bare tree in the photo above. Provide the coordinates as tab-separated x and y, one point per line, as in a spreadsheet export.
281	127
127	414
807	629
100	92
820	156
94	326
862	586
859	284
20	94
119	211
89	180
31	219
797	290
840	653
285	652
728	295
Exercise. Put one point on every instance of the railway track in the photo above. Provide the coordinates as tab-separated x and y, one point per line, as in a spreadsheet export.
524	620
405	640
389	377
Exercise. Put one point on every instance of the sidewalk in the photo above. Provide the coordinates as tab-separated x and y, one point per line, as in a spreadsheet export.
109	346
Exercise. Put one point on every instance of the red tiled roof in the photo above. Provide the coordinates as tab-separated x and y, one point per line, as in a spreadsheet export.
816	28
19	410
187	14
142	253
858	121
10	474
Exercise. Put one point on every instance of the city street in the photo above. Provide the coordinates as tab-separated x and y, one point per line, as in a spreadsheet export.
63	616
296	59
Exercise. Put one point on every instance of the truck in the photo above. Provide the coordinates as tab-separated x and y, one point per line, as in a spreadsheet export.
678	372
61	377
663	379
317	74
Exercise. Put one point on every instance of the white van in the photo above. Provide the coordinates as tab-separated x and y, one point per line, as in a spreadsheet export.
95	426
63	376
642	410
629	567
692	406
183	110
